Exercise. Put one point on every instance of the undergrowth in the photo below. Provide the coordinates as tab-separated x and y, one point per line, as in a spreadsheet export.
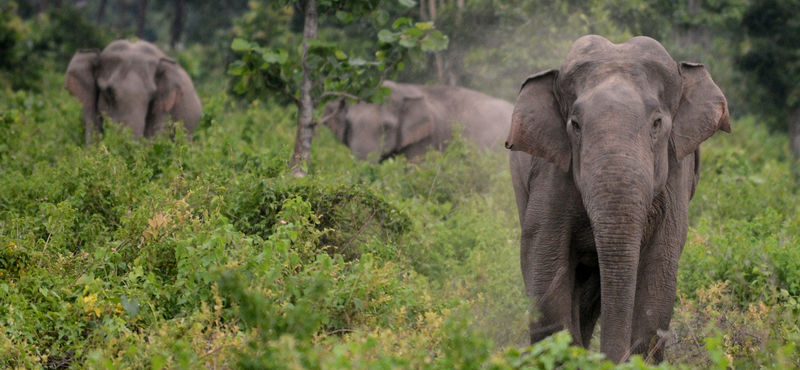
206	252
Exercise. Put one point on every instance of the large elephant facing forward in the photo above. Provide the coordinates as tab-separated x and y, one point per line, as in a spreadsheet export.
417	118
606	156
132	83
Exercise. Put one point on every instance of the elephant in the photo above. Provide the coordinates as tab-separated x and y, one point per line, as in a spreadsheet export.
416	118
605	157
132	83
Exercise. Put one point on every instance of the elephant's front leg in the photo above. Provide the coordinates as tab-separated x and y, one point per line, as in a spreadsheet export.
549	275
656	288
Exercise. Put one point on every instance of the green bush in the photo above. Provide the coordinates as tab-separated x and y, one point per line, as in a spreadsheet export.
208	253
20	66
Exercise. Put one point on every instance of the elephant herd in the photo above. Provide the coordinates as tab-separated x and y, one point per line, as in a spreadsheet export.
605	157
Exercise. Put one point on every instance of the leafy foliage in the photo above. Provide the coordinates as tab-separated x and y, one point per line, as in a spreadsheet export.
279	69
19	66
209	253
771	56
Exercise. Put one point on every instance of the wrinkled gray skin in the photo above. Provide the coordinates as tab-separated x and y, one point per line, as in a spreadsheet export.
132	83
606	154
417	118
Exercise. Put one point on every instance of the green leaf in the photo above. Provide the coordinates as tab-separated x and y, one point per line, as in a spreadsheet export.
340	55
381	17
435	42
344	17
387	36
131	307
237	68
413	32
409	43
424	25
276	56
408	3
241	45
401	21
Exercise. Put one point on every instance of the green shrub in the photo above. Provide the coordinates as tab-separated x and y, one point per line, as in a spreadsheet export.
208	253
20	66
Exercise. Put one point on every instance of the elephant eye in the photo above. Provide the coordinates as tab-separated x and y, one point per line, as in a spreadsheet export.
657	123
108	94
575	126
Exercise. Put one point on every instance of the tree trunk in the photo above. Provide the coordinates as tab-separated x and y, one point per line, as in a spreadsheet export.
440	75
305	108
140	18
437	56
177	24
101	11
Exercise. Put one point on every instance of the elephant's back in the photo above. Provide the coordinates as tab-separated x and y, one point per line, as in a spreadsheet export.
495	119
485	119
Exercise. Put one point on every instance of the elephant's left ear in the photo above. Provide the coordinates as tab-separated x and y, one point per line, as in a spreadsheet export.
703	110
80	79
168	86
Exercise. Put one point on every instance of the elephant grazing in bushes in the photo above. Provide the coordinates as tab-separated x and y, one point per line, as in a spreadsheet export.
606	156
416	118
135	84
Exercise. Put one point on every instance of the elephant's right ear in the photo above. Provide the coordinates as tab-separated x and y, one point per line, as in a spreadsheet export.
537	127
80	79
416	123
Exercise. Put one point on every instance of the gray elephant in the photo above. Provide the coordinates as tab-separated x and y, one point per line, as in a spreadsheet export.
416	118
605	158
132	83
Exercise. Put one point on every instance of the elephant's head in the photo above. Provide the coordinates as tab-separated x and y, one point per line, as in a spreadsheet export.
618	117
131	83
382	130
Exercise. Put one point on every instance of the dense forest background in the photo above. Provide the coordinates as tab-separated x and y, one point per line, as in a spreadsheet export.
751	47
209	253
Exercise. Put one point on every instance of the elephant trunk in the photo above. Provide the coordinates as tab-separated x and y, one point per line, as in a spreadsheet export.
616	200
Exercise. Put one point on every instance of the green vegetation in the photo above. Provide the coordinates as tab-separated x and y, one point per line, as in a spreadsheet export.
208	253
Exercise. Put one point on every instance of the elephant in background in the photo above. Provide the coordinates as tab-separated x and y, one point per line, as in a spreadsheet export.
605	158
416	118
135	84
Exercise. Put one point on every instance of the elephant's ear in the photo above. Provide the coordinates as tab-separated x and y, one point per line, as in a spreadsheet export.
703	110
168	86
416	123
80	78
537	127
333	117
